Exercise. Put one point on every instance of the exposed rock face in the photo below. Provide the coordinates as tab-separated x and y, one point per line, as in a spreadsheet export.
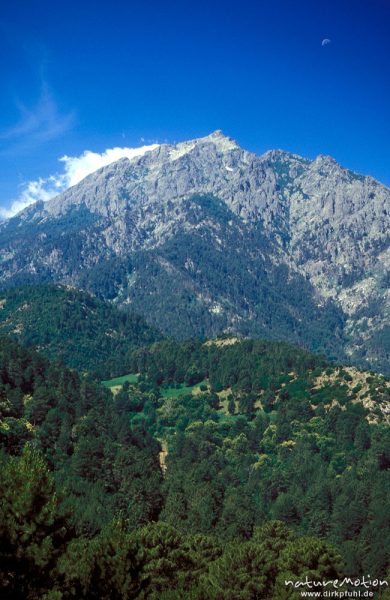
205	237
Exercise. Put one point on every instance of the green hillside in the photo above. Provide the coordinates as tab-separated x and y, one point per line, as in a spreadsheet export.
274	465
72	326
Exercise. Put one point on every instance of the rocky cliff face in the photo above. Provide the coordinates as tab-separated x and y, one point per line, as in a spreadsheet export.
205	237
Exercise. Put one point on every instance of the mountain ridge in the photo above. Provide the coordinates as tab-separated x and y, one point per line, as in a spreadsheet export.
324	227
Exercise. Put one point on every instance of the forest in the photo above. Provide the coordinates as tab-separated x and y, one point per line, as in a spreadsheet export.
220	470
73	327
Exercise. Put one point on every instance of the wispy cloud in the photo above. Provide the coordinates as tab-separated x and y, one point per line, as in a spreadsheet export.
37	124
75	168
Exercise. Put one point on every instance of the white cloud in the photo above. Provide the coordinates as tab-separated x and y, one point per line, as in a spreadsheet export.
78	167
41	189
75	169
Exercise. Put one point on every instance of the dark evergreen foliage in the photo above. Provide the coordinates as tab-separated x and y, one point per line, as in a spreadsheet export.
72	326
267	476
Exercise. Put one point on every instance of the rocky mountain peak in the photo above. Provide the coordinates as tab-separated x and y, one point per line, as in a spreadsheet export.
325	159
214	142
220	139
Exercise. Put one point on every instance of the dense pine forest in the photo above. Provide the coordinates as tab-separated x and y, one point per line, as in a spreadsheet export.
74	327
215	469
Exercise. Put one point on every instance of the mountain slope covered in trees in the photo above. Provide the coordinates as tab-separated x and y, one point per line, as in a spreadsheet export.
277	467
72	326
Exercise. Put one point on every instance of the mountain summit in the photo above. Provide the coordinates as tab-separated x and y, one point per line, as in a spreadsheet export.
204	238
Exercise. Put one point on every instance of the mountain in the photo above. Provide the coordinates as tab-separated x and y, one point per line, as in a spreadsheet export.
72	326
204	238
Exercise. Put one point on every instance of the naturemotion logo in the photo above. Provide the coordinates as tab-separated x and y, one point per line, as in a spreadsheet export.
348	587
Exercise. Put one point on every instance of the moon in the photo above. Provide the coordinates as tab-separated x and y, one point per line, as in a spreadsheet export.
325	42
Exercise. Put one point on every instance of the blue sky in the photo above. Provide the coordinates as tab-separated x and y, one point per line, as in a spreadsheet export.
88	75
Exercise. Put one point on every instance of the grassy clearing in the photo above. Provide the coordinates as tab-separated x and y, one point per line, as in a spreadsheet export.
116	383
175	392
119	381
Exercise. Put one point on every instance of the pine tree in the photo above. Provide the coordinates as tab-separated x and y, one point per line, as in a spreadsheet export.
31	528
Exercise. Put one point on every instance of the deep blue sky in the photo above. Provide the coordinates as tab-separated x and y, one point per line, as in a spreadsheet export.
93	75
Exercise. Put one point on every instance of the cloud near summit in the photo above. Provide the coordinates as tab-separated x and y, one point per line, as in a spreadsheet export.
78	167
75	169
